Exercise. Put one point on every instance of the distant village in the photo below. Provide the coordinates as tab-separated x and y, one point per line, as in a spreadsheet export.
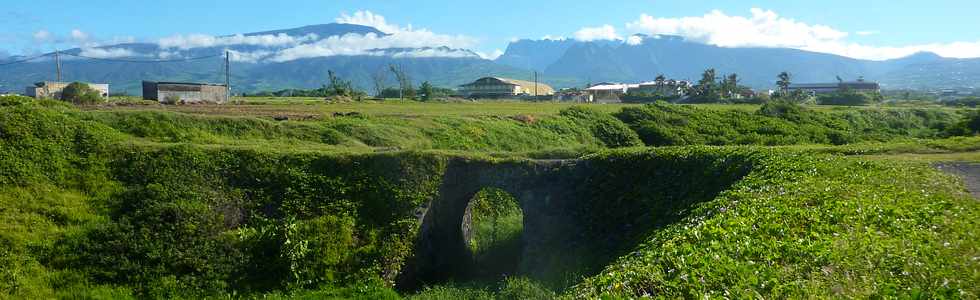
482	88
611	92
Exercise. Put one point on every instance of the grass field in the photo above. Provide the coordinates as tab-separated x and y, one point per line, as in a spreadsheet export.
138	200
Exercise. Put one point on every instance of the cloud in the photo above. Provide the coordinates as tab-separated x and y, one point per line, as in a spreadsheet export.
604	32
867	32
634	40
433	52
79	36
357	44
765	28
107	52
43	36
205	41
492	55
76	38
248	57
367	18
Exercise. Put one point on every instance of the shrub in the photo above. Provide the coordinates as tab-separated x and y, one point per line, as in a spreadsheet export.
171	99
967	126
14	100
849	98
81	94
610	131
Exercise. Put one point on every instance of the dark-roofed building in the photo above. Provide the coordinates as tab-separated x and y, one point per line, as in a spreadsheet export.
184	92
828	88
496	87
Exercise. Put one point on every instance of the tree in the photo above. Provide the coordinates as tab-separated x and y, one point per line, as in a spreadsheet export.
338	86
729	86
706	88
404	82
379	78
80	93
784	82
426	91
660	81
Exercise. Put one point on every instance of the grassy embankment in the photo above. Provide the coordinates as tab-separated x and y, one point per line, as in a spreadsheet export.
153	204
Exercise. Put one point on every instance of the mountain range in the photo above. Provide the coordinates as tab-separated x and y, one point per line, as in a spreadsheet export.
262	61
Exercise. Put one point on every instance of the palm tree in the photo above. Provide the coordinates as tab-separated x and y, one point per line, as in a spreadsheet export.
660	80
784	82
729	85
706	86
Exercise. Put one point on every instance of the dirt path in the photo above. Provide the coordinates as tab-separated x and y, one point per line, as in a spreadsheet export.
970	172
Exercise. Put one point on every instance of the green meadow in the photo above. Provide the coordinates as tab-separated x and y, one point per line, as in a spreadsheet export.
296	198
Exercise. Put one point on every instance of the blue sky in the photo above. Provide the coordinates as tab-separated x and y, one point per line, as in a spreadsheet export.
875	29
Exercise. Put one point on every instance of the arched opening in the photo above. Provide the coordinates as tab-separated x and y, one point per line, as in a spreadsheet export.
493	233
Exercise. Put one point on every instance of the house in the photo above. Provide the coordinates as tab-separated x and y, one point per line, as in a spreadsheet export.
827	88
668	88
609	92
185	92
496	87
52	89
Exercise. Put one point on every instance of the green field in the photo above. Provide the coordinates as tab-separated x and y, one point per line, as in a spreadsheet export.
298	198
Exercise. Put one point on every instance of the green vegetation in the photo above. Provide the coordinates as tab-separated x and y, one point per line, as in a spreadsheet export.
780	123
496	223
849	98
81	93
149	203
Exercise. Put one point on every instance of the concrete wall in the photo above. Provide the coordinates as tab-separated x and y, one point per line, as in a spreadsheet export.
54	89
185	93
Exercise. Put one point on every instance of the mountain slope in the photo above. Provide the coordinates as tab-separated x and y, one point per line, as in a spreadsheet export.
677	58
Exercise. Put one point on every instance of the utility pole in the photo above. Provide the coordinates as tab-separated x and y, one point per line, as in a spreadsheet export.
535	85
227	70
57	63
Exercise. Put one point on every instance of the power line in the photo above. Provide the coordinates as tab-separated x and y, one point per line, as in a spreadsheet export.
146	61
24	60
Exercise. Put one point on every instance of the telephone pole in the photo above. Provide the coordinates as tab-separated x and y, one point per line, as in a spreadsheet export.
535	85
57	63
227	71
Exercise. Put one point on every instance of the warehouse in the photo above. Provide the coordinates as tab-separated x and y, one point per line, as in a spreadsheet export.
496	87
184	92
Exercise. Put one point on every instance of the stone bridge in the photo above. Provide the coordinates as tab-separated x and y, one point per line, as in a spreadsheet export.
545	190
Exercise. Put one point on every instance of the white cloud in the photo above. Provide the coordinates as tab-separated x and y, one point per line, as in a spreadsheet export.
248	57
356	44
107	52
867	32
604	32
43	36
367	18
204	41
634	40
765	28
433	52
492	55
79	36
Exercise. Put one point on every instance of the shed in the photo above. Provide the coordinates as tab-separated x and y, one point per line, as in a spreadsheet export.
185	92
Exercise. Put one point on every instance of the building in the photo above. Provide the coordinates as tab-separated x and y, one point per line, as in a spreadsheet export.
496	87
53	90
668	88
183	92
609	92
827	88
